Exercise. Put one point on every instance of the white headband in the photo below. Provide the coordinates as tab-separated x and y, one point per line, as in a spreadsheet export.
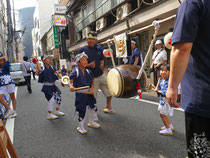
132	41
46	56
79	56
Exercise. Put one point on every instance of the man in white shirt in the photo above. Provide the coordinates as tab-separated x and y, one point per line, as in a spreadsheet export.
26	68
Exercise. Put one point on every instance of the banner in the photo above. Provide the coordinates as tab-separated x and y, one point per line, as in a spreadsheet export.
121	45
56	37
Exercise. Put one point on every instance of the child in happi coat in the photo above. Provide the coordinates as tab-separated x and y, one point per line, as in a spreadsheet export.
164	108
7	86
48	75
81	77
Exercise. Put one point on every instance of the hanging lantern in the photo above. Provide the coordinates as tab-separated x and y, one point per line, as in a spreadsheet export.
167	40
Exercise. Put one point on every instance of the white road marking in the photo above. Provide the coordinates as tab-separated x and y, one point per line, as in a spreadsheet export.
10	123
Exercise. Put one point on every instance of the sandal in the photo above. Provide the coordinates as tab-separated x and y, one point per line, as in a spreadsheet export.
81	131
109	111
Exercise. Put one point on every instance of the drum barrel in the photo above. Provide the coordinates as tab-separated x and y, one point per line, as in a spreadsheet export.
122	82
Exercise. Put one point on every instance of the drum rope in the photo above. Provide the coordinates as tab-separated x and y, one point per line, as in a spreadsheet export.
156	24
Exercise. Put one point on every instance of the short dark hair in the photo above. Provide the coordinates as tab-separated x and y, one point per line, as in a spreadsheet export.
93	33
25	58
165	65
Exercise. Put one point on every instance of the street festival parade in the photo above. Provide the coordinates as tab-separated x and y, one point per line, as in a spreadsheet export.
104	78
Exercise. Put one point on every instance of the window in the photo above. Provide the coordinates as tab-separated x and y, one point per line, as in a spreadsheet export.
102	7
106	6
88	13
15	67
78	22
117	2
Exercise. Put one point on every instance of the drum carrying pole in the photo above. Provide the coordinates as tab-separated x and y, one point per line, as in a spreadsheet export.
108	43
157	26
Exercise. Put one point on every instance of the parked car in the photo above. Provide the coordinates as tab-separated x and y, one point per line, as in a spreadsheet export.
17	73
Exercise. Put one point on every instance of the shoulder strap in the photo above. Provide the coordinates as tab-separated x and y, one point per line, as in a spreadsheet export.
158	52
24	66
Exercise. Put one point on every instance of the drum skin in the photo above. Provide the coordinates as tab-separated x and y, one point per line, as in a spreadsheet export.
122	81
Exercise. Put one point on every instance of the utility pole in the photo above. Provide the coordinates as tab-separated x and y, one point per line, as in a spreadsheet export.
10	33
14	35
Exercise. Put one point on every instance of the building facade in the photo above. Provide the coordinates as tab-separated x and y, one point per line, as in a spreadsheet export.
26	24
44	10
113	17
3	26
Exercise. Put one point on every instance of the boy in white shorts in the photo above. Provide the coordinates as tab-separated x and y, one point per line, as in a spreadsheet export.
7	86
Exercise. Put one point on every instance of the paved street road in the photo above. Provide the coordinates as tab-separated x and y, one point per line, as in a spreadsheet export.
130	133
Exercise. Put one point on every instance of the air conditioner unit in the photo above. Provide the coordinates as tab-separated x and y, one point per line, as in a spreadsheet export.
77	36
154	1
123	11
101	23
85	32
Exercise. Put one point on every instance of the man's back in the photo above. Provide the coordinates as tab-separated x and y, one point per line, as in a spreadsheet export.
192	25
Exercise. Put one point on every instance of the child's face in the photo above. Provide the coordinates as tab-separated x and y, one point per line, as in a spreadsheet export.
2	61
164	73
47	61
83	62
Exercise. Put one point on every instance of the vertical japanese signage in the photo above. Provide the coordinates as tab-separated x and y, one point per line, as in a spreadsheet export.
56	36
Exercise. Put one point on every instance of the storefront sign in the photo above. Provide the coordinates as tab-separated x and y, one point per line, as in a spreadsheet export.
60	9
60	20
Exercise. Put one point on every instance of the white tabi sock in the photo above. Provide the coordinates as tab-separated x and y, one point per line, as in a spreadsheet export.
51	104
81	124
93	115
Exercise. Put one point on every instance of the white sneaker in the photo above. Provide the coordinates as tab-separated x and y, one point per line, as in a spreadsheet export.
137	97
59	113
81	131
14	115
9	113
93	125
166	132
171	126
51	116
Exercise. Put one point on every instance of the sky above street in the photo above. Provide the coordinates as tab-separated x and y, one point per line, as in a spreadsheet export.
19	4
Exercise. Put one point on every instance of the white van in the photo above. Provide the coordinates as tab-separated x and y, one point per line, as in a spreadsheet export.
17	73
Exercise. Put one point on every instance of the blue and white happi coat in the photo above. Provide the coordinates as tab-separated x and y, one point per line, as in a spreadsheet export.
48	77
83	100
